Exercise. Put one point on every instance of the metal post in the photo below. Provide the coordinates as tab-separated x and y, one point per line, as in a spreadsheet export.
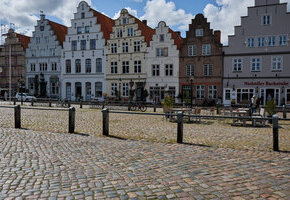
68	103
284	112
154	107
81	104
17	116
32	102
217	109
105	121
14	101
179	127
10	79
275	133
49	103
71	119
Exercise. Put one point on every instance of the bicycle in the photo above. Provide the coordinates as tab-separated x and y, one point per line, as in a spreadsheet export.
138	106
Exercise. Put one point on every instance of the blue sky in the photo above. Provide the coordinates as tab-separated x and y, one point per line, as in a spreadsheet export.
222	14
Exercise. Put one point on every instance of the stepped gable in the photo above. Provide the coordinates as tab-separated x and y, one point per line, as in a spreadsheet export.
178	40
147	31
59	30
106	23
23	39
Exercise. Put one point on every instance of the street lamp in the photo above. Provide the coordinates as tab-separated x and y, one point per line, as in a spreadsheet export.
191	91
131	92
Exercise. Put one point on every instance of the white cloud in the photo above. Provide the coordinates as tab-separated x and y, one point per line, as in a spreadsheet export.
228	14
24	13
130	10
160	10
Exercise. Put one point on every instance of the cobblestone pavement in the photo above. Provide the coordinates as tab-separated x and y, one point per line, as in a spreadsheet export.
44	165
213	133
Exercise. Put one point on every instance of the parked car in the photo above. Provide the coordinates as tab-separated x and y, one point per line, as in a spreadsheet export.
24	97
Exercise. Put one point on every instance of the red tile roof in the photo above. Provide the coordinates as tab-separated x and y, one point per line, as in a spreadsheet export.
105	22
146	31
23	39
178	40
59	30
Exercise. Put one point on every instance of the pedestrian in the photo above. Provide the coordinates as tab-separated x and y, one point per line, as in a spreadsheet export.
253	104
5	96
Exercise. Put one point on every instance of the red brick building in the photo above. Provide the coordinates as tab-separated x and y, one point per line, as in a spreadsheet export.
200	68
18	44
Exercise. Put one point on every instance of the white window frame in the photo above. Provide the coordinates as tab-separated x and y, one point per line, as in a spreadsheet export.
155	70
114	67
237	64
261	41
206	49
189	70
208	70
271	41
125	90
283	40
199	32
200	91
212	92
169	70
125	67
137	66
162	52
137	46
125	47
255	62
276	60
130	31
192	50
114	88
119	33
114	48
266	20
250	42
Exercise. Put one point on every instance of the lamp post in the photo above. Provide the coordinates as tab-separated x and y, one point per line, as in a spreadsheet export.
120	89
131	92
21	83
191	91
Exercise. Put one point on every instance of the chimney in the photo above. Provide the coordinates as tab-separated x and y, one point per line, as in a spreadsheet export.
217	35
178	33
144	22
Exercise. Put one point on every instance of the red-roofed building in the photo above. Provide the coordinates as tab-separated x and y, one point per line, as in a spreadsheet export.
126	64
84	59
162	64
43	55
18	44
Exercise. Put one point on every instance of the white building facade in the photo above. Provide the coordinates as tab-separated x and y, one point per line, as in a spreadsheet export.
43	59
126	49
83	57
257	59
162	64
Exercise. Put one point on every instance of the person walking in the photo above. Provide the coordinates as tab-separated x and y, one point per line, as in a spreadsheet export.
253	104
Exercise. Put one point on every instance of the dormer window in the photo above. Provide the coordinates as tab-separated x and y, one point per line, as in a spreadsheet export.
199	32
125	20
82	15
41	28
266	20
161	37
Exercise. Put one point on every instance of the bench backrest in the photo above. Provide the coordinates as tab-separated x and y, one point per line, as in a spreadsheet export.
262	112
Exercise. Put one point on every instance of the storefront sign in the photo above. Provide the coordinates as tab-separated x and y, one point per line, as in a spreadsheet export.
266	83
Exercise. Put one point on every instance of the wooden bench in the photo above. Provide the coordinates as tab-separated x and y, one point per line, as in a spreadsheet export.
258	117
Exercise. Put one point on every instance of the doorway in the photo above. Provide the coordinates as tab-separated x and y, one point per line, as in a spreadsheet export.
78	88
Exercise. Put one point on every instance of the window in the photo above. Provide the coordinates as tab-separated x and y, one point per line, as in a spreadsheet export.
119	33
283	40
68	66
79	30
74	45
189	70
130	32
228	95
83	44
200	91
53	66
171	92
271	41
99	89
137	46
125	20
277	63
92	44
244	95
125	67
261	41
192	50
169	70
114	67
237	64
87	29
266	20
137	66
52	52
68	90
37	40
114	48
125	47
162	52
212	92
32	67
208	70
82	15
33	53
155	70
46	39
114	88
99	67
53	86
30	83
161	37
199	32
78	66
88	66
125	89
206	49
287	96
256	64
251	42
